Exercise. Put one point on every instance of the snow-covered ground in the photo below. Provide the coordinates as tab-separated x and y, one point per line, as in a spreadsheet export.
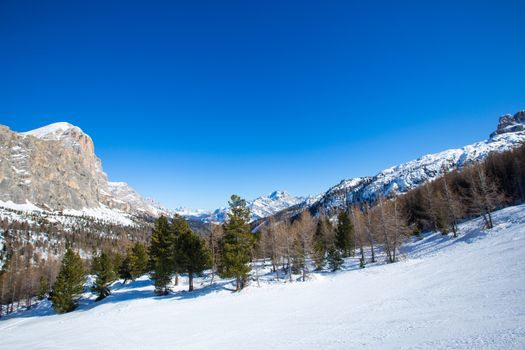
446	293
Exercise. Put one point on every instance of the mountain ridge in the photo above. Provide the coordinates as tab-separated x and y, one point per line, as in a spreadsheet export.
28	176
403	177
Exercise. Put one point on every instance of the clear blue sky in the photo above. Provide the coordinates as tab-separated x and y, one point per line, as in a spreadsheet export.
190	101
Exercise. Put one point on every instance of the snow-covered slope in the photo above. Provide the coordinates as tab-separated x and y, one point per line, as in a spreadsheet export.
133	202
446	293
404	177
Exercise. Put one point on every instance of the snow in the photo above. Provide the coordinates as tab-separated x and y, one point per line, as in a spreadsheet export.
103	213
27	206
30	210
466	293
52	131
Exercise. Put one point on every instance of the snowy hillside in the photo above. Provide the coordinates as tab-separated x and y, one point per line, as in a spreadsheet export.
404	177
446	293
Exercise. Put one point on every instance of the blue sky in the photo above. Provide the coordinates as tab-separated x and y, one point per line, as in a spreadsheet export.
192	101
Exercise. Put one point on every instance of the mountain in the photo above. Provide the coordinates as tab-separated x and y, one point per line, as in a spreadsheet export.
510	133
260	208
55	168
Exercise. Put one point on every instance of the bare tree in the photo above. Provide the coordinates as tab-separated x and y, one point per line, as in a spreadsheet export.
216	233
485	195
360	232
303	231
369	229
452	209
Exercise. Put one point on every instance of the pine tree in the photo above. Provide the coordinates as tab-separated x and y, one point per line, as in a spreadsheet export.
334	258
344	235
102	268
124	269
192	254
178	226
161	255
237	243
138	260
43	289
69	284
320	245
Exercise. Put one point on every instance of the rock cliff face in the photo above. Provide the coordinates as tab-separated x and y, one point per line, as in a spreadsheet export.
510	123
55	168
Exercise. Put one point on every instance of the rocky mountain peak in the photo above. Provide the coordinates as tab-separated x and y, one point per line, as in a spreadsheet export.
276	195
510	123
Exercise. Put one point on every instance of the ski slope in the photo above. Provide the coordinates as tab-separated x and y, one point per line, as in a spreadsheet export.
464	293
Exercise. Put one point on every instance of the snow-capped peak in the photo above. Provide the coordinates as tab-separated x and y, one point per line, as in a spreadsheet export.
55	131
510	123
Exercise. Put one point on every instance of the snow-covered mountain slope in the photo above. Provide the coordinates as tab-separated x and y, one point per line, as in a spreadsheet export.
132	201
404	177
446	293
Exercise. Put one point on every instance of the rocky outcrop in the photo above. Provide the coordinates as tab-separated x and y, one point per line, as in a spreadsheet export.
55	167
510	123
55	170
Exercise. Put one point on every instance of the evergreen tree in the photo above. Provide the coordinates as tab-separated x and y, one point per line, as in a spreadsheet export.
192	254
298	259
104	272
138	260
344	235
161	255
335	260
118	260
178	226
124	269
320	242
69	284
238	242
43	289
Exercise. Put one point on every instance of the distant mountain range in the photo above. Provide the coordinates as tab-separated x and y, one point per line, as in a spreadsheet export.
55	169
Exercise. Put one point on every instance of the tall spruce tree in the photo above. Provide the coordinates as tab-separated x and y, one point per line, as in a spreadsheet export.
138	260
334	258
178	226
320	244
237	243
161	255
43	288
69	284
192	255
124	267
102	268
345	235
